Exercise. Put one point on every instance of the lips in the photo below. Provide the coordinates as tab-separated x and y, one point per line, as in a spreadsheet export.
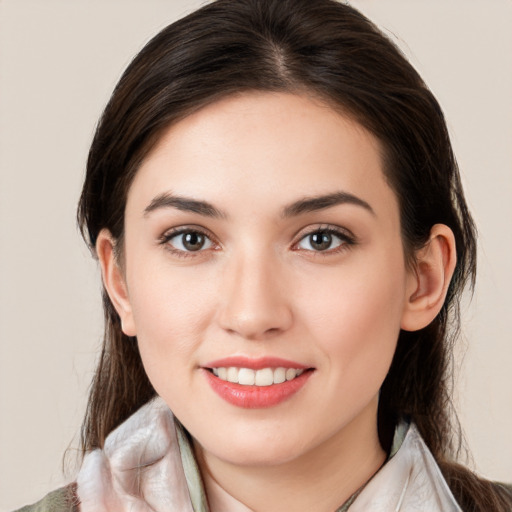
256	383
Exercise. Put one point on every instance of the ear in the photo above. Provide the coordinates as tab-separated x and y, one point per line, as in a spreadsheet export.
114	281
427	283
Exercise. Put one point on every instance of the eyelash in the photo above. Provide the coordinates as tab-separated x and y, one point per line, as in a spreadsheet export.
346	240
169	235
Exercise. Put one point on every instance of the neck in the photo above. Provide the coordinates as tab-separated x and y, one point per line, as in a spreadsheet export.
321	479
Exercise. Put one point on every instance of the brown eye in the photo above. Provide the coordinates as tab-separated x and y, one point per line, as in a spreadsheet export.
193	241
323	240
189	241
320	241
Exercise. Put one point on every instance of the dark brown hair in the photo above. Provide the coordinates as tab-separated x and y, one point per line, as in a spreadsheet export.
332	51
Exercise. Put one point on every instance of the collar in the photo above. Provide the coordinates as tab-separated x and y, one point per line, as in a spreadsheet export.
150	449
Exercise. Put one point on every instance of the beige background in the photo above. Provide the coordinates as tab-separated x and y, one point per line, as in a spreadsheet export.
58	63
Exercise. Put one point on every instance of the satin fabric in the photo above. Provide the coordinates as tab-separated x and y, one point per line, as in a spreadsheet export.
139	469
410	481
147	465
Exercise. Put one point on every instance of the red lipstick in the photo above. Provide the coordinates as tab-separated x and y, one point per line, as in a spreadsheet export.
254	363
253	396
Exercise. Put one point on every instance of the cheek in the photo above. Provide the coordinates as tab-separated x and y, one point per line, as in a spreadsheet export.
171	309
356	318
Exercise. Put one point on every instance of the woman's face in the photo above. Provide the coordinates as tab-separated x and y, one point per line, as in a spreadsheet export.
261	235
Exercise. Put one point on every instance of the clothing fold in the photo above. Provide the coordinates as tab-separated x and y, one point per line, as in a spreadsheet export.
139	469
147	465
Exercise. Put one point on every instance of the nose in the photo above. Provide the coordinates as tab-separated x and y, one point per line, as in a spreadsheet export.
255	304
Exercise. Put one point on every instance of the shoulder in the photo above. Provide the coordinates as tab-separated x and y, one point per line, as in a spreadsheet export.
61	500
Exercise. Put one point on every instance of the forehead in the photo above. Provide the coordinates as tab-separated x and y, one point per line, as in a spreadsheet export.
275	146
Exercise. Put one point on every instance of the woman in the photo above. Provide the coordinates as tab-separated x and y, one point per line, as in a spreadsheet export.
283	238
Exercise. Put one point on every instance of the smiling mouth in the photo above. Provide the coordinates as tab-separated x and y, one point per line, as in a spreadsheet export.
255	383
261	377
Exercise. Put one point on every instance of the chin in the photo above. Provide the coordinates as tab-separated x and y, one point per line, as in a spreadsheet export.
256	456
254	446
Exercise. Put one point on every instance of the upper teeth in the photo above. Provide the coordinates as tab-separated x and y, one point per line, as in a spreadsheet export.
263	377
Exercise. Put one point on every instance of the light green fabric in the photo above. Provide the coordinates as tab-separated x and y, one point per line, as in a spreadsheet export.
191	469
61	500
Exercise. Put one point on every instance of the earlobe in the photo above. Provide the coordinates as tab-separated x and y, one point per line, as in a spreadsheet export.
428	282
114	281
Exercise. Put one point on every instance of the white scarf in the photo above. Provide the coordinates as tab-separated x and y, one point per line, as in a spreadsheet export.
141	469
133	471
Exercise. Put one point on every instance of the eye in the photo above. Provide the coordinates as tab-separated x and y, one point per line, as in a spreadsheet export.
188	240
323	240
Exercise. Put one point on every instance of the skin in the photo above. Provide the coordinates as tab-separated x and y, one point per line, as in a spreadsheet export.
259	287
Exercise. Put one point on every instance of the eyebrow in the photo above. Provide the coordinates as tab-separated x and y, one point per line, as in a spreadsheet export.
316	203
185	204
304	205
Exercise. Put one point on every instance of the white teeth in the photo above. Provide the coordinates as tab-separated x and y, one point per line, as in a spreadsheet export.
291	373
232	375
263	377
246	376
279	375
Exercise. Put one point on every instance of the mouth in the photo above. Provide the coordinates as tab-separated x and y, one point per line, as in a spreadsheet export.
256	383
